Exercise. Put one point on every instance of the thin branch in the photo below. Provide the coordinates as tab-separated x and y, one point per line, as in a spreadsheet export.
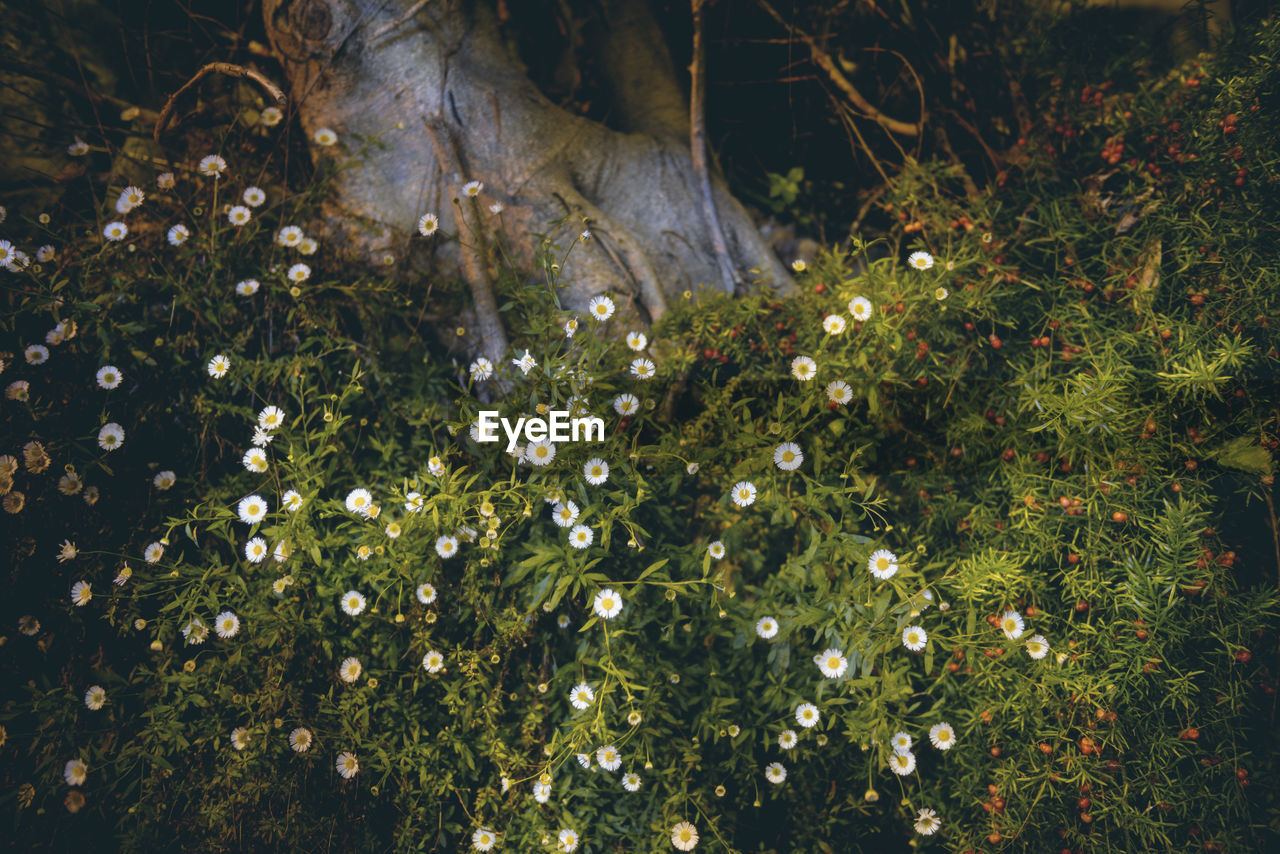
823	60
227	68
698	146
386	28
493	335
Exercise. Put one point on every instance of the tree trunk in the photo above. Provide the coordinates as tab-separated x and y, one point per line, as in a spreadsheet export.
444	101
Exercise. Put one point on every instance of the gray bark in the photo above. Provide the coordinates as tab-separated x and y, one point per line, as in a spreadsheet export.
447	102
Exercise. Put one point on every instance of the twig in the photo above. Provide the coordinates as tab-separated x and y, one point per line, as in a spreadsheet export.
824	61
386	28
231	70
698	146
493	335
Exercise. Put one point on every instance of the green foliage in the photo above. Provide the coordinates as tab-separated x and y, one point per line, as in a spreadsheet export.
1060	417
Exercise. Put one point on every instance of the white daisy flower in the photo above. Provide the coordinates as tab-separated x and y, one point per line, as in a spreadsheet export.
178	235
255	460
298	273
254	197
471	189
631	782
743	493
542	792
787	739
446	546
860	308
350	669
832	663
540	453
324	137
347	764
239	215
570	327
565	514
95	698
788	456
902	762
115	231
81	593
920	260
626	404
261	438
882	564
596	471
79	148
581	696
914	638
247	288
290	235
153	552
927	822
901	741
637	341
803	368
567	841
270	418
428	224
716	550
1037	646
255	551
125	573
839	392
601	307
426	593
111	436
109	377
684	836
226	625
165	180
1011	624
413	502
496	208
581	536
833	324
767	627
433	662
300	740
775	772
608	758
212	166
643	369
435	467
807	715
359	501
483	839
525	363
218	366
942	736
75	772
271	116
36	354
46	253
607	604
129	199
291	501
353	602
940	294
481	369
252	509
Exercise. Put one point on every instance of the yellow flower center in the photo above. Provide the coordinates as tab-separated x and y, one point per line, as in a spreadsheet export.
607	604
913	638
882	563
833	663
